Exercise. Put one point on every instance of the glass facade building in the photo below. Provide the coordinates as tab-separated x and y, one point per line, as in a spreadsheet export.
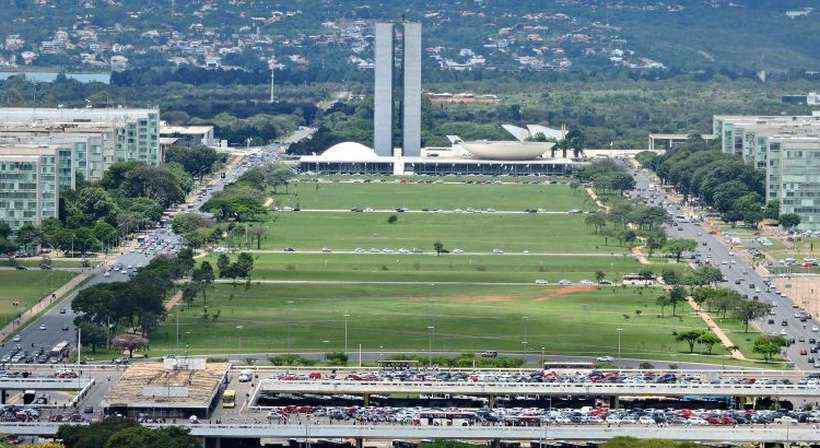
31	179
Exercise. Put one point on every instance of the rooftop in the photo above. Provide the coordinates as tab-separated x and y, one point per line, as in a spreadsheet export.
152	385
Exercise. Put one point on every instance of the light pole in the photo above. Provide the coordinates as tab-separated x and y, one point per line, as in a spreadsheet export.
346	316
542	356
525	319
239	334
432	330
620	332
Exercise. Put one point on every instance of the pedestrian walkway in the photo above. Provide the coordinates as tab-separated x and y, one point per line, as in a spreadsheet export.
724	338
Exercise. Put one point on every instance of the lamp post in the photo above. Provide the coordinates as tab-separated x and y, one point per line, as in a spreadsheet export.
347	315
239	333
432	331
620	332
542	356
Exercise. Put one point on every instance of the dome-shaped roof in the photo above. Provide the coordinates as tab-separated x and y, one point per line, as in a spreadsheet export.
349	151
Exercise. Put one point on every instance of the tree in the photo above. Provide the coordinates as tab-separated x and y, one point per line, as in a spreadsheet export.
29	236
94	435
600	276
690	337
789	220
5	230
259	232
204	276
438	246
655	239
679	246
749	310
749	209
94	336
706	275
392	219
772	210
671	277
244	265
104	232
708	339
769	346
676	295
143	437
597	220
662	301
223	264
130	342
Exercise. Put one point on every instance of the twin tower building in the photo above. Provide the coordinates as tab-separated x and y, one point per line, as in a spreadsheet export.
410	74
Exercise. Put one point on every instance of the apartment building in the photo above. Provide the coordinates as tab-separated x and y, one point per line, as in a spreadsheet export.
87	150
31	178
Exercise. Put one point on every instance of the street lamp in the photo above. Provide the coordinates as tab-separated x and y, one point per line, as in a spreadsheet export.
620	332
525	319
238	329
347	315
542	355
432	330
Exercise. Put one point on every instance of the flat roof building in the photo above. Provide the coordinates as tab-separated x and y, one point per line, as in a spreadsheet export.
31	179
793	177
129	134
190	135
167	390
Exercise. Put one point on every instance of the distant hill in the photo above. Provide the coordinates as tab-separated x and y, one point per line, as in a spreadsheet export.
333	36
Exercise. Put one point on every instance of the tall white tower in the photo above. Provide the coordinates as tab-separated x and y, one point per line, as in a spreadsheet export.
383	92
411	116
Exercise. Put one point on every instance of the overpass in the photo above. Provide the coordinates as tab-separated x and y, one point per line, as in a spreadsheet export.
20	383
511	388
772	434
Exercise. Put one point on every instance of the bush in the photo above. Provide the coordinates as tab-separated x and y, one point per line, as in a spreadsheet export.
392	219
336	358
291	360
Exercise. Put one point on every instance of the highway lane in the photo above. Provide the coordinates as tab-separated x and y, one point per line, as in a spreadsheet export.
737	270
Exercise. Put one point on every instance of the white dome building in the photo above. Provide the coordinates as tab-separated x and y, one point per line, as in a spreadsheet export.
349	152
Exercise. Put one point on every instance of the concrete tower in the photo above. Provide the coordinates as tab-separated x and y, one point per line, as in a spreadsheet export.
411	116
383	92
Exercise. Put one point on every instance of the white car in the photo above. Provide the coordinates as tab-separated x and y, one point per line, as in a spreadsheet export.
458	251
605	359
564	282
43	327
497	252
541	282
326	250
814	329
646	420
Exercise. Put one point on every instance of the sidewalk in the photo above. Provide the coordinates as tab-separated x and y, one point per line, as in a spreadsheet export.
42	305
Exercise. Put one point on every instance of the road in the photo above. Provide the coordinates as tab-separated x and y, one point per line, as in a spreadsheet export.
741	276
57	323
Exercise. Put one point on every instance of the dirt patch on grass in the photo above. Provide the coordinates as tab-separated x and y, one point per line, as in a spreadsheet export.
566	291
482	299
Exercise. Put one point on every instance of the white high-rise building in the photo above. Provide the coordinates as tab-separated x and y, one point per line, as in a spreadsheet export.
383	92
411	125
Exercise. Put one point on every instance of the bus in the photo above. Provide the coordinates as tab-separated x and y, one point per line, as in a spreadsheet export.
229	399
60	351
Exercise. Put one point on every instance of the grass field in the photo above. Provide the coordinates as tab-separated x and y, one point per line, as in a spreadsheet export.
471	233
446	268
26	287
267	318
447	196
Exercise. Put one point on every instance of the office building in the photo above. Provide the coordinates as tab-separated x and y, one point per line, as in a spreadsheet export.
793	177
383	92
128	134
411	90
31	179
411	116
86	149
787	148
188	135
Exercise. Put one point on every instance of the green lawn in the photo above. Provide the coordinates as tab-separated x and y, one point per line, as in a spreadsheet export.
446	268
266	318
471	233
446	196
26	287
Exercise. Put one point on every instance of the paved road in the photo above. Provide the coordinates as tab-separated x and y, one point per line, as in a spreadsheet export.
735	269
58	320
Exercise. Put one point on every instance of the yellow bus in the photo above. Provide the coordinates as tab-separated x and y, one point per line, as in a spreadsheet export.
229	399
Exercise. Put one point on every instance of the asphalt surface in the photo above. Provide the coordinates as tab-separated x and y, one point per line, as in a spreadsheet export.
752	284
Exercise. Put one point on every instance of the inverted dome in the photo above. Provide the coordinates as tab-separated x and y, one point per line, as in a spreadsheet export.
349	151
